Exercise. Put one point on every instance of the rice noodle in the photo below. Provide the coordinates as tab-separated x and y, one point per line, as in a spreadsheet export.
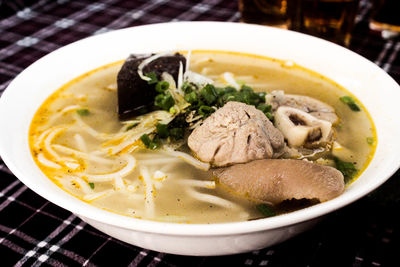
147	125
62	112
198	183
189	159
147	61
160	161
80	143
83	185
188	56
46	162
212	199
130	141
229	78
119	183
197	78
87	156
84	126
180	77
149	191
41	138
130	121
165	76
73	165
127	169
193	126
93	196
47	142
159	175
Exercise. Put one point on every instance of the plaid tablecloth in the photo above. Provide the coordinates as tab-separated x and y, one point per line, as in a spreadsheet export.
35	232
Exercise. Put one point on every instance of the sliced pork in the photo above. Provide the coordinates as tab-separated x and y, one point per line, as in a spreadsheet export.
276	180
235	133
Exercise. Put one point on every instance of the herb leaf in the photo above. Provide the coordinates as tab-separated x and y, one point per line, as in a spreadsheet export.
346	168
162	130
162	86
370	140
164	101
132	126
153	77
265	210
91	185
151	144
83	112
349	101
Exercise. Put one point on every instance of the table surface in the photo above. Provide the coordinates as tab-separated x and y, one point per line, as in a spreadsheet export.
35	232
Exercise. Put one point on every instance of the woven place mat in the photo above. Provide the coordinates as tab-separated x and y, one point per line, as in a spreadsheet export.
35	232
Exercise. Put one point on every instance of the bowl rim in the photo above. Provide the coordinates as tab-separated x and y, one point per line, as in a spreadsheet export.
167	228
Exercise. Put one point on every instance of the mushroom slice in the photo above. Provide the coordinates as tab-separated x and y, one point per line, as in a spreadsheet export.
301	128
277	180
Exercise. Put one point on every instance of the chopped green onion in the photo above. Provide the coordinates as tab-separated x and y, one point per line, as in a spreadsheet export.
269	116
162	130
187	87
155	143
153	77
349	101
146	140
91	185
209	94
191	97
262	95
370	140
205	111
152	144
265	210
264	107
229	89
346	168
176	133
83	112
162	86
246	88
132	126
172	110
165	102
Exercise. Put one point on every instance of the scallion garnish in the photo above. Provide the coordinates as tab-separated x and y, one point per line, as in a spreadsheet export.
370	140
162	86
162	130
346	168
205	111
132	126
153	77
164	101
265	210
349	101
151	144
83	112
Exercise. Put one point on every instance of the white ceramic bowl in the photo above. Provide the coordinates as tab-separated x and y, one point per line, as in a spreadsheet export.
371	85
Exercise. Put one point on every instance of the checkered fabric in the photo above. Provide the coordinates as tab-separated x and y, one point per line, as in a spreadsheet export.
35	232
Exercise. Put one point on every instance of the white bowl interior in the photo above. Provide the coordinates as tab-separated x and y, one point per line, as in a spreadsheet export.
371	85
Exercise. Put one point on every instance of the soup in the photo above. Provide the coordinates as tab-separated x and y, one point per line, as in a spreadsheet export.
143	166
